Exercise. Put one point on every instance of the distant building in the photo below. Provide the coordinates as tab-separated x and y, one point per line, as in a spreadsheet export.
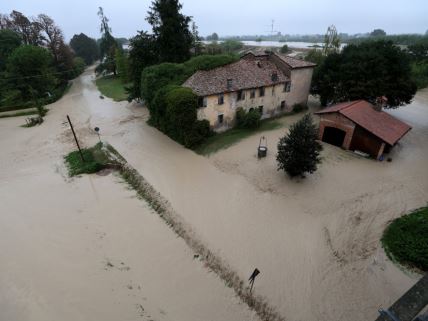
269	82
359	125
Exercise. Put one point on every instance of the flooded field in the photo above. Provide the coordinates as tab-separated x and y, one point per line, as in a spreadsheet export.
315	241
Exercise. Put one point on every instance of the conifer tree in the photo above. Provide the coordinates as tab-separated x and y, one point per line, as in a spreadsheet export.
171	30
299	151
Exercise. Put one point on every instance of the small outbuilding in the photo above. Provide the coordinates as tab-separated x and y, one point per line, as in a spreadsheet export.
360	126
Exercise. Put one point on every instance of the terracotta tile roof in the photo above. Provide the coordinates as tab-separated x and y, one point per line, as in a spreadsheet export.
245	74
379	123
295	63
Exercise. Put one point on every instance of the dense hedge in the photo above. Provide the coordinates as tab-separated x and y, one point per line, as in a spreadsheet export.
173	109
153	78
406	239
248	120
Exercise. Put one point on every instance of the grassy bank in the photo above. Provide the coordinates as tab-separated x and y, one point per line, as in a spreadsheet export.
56	95
406	240
228	138
112	87
95	159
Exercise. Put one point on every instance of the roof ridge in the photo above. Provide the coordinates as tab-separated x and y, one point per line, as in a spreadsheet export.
352	103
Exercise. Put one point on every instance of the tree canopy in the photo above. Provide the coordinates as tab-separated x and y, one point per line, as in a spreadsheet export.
85	48
171	30
299	151
29	71
143	53
9	41
378	33
365	71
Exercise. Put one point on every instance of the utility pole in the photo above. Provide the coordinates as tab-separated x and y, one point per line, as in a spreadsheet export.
75	138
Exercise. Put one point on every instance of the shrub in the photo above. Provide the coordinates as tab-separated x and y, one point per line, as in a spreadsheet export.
299	151
297	108
181	116
284	49
78	66
406	239
248	120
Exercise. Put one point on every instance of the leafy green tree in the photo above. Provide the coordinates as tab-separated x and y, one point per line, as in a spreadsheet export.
29	70
230	46
196	40
366	71
299	151
419	50
143	53
85	48
378	33
78	66
155	77
9	41
108	44
122	65
171	30
28	30
284	49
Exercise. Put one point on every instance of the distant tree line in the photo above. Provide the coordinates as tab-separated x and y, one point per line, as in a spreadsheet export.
35	61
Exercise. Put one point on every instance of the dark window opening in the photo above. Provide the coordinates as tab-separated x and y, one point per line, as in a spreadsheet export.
262	91
220	119
241	95
221	99
283	105
202	101
261	110
252	93
229	84
287	87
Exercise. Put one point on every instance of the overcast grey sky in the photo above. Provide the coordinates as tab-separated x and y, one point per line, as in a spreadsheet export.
236	17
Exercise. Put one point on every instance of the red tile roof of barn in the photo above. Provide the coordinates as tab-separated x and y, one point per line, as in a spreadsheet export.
244	73
379	123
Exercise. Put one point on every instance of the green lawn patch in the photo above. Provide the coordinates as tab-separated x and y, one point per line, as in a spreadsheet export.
112	87
406	240
95	160
232	136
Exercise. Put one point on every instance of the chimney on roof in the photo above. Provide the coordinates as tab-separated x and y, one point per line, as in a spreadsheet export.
229	84
380	103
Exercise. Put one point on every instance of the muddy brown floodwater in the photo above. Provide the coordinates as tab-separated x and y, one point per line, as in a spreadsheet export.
87	248
315	241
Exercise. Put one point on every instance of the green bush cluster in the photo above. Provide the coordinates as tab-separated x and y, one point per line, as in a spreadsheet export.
297	108
95	160
155	77
406	239
173	109
247	120
174	112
